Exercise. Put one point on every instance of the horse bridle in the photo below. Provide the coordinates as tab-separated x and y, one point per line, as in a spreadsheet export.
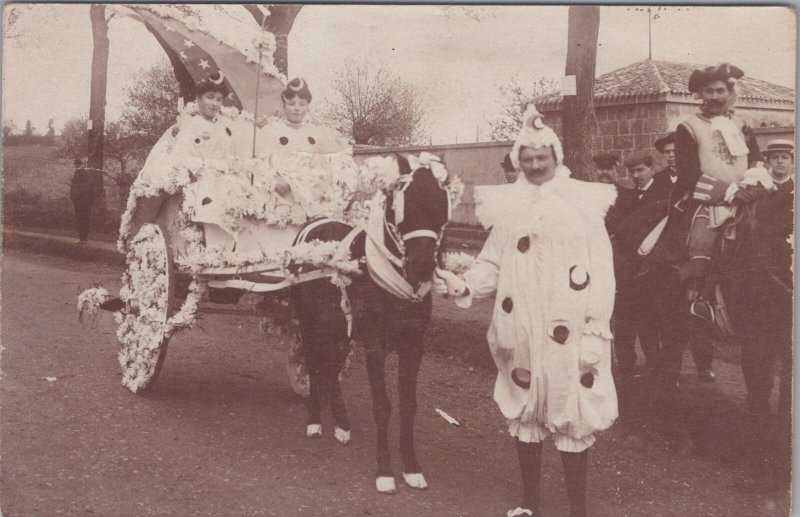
392	230
386	266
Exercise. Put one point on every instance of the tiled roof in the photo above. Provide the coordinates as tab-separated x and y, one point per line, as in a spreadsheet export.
649	78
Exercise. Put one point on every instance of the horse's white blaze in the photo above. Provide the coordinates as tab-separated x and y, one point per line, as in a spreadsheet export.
314	430
341	435
385	485
415	480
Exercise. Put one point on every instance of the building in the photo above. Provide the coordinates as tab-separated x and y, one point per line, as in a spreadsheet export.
635	105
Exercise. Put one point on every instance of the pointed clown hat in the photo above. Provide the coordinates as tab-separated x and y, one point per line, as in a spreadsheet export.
534	133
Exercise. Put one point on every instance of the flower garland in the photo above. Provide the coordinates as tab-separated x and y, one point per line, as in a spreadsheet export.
458	262
89	301
145	283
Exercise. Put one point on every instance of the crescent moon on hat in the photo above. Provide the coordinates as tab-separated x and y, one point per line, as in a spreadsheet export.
220	77
301	85
574	285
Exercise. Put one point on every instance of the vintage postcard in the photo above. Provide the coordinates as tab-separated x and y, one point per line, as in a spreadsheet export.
409	260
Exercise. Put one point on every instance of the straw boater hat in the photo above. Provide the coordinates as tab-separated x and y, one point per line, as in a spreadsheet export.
659	144
786	146
724	72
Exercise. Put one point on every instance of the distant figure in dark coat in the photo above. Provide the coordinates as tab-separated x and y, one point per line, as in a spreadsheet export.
83	192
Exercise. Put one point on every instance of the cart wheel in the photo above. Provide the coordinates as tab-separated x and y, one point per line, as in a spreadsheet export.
148	291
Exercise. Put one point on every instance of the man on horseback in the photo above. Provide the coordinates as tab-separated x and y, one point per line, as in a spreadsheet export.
548	260
713	150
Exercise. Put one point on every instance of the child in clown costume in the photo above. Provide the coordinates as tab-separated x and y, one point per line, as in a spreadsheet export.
548	261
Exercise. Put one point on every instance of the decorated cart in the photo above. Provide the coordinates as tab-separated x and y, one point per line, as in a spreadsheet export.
205	220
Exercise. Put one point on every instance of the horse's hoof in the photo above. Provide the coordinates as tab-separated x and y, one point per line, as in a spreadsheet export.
415	480
314	431
341	435
385	485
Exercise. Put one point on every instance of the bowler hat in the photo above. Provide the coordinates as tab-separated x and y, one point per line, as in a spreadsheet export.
506	163
659	144
722	72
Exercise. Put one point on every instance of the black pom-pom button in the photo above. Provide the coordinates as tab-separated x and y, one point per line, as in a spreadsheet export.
228	130
311	140
523	244
521	378
283	140
587	380
507	305
197	140
560	334
206	201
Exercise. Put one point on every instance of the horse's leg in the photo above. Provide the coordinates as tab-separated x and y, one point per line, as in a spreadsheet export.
339	410
381	410
314	424
410	358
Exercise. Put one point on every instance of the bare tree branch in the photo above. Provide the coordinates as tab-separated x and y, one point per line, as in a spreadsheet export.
375	106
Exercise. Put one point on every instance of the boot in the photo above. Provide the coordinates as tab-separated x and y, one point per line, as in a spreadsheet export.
575	466
530	464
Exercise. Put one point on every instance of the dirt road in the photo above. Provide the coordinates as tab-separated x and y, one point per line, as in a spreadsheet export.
221	433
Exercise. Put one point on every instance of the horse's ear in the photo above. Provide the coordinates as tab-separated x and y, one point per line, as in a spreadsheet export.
403	165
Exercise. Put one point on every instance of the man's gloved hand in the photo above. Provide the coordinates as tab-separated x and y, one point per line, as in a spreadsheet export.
591	351
448	283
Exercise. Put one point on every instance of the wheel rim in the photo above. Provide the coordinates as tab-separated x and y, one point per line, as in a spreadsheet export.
149	282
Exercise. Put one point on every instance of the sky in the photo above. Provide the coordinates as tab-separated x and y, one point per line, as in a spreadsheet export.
457	56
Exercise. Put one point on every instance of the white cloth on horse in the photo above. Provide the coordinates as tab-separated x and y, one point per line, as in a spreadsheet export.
548	260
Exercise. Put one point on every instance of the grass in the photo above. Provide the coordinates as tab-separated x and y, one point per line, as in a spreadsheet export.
36	188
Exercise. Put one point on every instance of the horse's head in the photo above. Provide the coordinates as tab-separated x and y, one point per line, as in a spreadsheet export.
421	220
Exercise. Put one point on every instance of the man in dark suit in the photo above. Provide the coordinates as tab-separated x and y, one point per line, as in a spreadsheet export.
701	339
84	189
633	311
666	177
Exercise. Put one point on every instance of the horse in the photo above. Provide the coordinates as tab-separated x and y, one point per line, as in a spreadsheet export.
749	291
755	278
392	306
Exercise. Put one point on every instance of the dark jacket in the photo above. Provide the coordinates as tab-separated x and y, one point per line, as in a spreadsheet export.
662	180
85	185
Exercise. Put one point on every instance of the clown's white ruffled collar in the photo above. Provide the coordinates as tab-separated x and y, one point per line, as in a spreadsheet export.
495	202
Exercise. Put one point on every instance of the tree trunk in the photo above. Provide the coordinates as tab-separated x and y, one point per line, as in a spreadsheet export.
579	125
97	102
279	22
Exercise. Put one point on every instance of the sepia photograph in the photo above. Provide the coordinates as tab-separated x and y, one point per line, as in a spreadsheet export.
397	260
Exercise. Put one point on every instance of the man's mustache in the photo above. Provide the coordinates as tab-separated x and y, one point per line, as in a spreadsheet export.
714	103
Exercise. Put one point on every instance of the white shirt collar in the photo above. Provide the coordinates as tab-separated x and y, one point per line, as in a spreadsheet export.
643	189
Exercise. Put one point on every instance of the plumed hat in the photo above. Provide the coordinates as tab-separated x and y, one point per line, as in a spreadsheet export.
659	144
215	82
722	72
534	133
637	157
605	159
297	87
786	146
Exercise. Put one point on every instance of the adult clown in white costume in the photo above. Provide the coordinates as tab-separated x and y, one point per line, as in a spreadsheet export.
548	260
